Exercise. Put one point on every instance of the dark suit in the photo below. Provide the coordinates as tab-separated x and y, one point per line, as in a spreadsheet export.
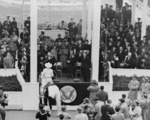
102	95
121	56
106	111
129	62
72	65
86	65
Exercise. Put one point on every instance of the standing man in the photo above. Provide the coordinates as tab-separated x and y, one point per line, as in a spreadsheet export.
70	26
144	103
133	88
107	110
86	65
124	109
102	95
27	24
98	107
80	115
145	87
118	115
79	28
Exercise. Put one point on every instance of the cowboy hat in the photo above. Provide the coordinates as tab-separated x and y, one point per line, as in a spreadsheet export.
48	65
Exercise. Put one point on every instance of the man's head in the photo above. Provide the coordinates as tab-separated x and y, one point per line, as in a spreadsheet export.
109	102
117	108
41	106
72	19
122	100
61	116
110	7
14	19
49	54
8	54
8	17
124	96
28	18
79	109
102	88
42	32
80	20
59	35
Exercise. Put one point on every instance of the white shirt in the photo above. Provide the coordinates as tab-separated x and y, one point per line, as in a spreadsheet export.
47	73
53	91
81	116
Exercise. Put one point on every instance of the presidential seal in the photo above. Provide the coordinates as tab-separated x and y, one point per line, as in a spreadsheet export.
68	94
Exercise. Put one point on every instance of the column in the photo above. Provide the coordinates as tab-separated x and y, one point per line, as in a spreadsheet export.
33	43
22	24
96	38
144	18
84	19
90	10
133	12
31	90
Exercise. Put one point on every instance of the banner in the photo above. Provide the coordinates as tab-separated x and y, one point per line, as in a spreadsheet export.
72	93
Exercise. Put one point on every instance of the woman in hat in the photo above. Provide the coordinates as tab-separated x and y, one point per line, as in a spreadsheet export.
46	77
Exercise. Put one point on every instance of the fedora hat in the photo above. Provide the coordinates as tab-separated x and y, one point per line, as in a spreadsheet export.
48	65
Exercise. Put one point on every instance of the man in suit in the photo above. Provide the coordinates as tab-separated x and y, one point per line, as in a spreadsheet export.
124	109
118	115
107	111
86	65
121	55
110	14
98	107
102	95
129	61
27	24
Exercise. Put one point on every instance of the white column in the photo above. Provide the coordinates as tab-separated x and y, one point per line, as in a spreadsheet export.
84	19
22	24
133	12
144	17
90	10
96	38
33	43
31	90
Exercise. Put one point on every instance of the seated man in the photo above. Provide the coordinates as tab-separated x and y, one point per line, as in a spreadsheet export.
129	61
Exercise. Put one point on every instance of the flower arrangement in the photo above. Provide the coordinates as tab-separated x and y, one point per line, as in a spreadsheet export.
10	83
120	83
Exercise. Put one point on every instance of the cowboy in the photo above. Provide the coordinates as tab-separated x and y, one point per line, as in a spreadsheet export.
46	76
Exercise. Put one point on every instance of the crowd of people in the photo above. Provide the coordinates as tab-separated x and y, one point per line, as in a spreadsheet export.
70	50
99	105
121	42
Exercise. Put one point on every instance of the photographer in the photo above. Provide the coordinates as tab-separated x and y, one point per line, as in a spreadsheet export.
93	88
3	103
42	114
